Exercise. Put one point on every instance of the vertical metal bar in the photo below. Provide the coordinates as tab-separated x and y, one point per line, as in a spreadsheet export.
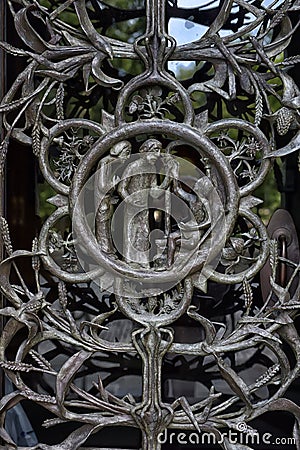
151	415
2	90
2	179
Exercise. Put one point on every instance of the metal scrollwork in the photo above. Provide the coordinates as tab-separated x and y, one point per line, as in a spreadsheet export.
154	177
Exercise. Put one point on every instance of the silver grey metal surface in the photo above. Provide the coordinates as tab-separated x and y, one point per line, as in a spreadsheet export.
154	181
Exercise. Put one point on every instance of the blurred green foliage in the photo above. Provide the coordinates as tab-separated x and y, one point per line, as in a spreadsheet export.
44	207
268	192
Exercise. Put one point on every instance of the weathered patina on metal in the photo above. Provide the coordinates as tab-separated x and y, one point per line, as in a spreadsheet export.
154	208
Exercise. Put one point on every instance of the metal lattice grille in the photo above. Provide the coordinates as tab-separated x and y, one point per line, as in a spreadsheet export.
153	125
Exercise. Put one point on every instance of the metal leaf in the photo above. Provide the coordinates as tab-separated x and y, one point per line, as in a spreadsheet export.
74	440
291	147
281	293
201	120
249	202
67	373
284	404
236	383
6	438
107	120
15	104
100	77
209	328
258	331
58	200
26	32
99	42
12	50
283	39
10	400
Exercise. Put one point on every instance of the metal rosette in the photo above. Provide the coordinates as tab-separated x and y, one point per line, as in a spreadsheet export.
56	136
246	144
60	139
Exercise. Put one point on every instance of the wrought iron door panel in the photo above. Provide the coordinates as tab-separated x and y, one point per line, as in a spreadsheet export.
152	169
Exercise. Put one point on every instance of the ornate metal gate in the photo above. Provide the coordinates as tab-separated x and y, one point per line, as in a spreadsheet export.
154	125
